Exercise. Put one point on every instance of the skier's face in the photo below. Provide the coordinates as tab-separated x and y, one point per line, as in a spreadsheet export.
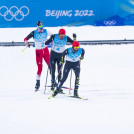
76	48
61	36
40	29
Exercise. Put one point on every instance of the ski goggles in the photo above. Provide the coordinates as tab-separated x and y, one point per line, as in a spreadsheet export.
77	47
41	27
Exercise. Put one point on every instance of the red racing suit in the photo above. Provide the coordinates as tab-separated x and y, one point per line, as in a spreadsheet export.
42	51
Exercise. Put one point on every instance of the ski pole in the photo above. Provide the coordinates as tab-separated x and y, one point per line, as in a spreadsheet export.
27	46
46	80
63	87
24	49
70	82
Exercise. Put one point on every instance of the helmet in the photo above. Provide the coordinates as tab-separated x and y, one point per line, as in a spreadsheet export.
75	44
40	24
62	31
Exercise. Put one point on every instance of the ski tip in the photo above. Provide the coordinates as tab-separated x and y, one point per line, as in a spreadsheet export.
50	97
82	98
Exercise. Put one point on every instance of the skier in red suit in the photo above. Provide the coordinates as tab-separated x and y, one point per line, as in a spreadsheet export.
40	37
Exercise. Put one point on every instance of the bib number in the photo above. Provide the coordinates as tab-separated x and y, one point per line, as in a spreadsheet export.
42	45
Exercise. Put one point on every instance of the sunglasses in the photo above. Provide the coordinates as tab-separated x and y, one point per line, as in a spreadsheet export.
77	47
41	27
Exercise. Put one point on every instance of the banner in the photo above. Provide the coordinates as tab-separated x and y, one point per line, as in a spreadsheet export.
54	13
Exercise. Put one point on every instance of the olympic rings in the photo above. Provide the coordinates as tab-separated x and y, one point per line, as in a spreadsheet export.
110	23
13	13
42	36
60	42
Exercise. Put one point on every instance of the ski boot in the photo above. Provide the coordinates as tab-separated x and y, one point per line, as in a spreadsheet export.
61	91
53	85
58	86
55	92
76	93
37	86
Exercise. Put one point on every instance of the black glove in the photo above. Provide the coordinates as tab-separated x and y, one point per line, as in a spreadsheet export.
27	45
81	58
74	36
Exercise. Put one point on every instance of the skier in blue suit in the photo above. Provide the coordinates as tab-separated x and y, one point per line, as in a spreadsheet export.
73	56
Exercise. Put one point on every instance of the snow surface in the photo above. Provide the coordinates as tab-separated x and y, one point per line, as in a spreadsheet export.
107	74
83	33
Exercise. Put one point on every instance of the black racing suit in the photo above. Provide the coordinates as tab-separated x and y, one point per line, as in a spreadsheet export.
68	66
55	58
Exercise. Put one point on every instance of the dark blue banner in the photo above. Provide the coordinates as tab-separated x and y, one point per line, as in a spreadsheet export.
26	13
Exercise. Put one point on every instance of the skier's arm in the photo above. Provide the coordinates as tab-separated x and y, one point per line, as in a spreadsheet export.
69	40
28	37
82	55
50	39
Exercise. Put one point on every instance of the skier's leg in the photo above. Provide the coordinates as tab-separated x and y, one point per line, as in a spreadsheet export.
65	75
52	65
59	67
76	69
39	56
46	56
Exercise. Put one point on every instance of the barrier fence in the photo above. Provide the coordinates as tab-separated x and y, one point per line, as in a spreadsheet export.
95	42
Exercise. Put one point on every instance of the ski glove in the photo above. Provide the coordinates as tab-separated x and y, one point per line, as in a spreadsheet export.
81	58
27	45
74	36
